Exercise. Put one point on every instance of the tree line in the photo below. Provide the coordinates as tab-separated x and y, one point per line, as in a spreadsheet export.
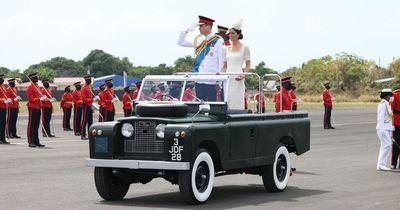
346	72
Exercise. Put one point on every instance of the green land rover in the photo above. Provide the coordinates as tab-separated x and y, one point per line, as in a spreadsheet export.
189	141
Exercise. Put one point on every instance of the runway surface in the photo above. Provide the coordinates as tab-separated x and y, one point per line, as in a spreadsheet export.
339	172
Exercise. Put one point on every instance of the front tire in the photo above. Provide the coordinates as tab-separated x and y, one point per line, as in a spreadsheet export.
276	177
108	185
196	184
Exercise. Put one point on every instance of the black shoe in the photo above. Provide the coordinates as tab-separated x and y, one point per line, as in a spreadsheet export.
51	135
17	137
4	142
9	137
332	127
65	129
84	138
32	145
69	129
77	134
40	145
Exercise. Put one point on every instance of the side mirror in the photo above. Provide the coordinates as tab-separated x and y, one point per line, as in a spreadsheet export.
204	108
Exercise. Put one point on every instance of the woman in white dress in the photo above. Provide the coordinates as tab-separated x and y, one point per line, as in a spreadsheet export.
236	54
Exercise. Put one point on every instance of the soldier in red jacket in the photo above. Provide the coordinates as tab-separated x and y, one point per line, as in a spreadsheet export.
66	105
277	99
87	97
126	101
47	108
77	97
100	100
327	98
293	96
286	99
135	94
396	134
257	99
12	109
3	101
34	99
109	99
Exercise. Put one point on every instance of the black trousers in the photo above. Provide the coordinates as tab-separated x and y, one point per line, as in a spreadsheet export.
33	126
108	115
46	118
102	113
12	116
327	116
87	119
127	112
77	119
67	118
3	124
395	148
207	92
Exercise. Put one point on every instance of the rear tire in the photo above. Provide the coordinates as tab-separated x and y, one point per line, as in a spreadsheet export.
196	184
108	185
276	177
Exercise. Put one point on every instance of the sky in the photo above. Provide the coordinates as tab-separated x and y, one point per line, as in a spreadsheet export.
282	33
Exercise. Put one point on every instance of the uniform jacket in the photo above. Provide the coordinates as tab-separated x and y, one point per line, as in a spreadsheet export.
126	101
384	116
87	95
47	103
108	95
12	94
33	94
293	96
396	108
101	101
77	97
66	100
327	98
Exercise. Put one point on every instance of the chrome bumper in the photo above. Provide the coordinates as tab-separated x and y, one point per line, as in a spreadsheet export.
138	164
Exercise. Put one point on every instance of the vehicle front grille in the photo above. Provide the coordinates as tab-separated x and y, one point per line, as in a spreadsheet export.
144	140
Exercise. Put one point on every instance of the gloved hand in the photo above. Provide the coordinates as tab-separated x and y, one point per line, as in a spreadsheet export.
53	99
42	98
96	107
96	98
18	98
114	100
191	27
333	98
8	100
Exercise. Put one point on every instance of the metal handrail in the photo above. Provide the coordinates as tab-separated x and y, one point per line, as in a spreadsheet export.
280	83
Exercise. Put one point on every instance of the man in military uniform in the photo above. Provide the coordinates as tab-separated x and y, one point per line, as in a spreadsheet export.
3	101
100	100
222	32
47	108
257	98
209	55
109	99
87	97
78	101
66	105
34	99
293	96
286	99
277	99
135	95
126	101
327	98
396	134
12	109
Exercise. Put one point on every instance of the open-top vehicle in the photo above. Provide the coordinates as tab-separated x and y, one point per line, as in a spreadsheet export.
189	141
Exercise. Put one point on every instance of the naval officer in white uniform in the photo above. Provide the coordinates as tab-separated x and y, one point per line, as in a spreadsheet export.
209	55
384	128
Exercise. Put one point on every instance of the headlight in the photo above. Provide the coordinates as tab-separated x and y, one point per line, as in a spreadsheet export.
160	130
127	130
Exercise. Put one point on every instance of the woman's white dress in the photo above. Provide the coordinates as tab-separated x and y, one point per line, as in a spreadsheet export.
236	90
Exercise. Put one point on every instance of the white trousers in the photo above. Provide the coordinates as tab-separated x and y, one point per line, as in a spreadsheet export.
385	136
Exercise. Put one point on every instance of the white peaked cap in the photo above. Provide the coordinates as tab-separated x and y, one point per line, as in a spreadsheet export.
238	25
386	90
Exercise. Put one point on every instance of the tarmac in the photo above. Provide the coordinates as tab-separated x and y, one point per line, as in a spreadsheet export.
339	172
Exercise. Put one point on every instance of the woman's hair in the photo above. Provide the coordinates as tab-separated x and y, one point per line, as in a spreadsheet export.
239	32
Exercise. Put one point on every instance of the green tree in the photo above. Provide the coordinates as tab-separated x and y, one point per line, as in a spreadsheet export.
101	63
184	64
63	67
4	70
395	68
43	73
